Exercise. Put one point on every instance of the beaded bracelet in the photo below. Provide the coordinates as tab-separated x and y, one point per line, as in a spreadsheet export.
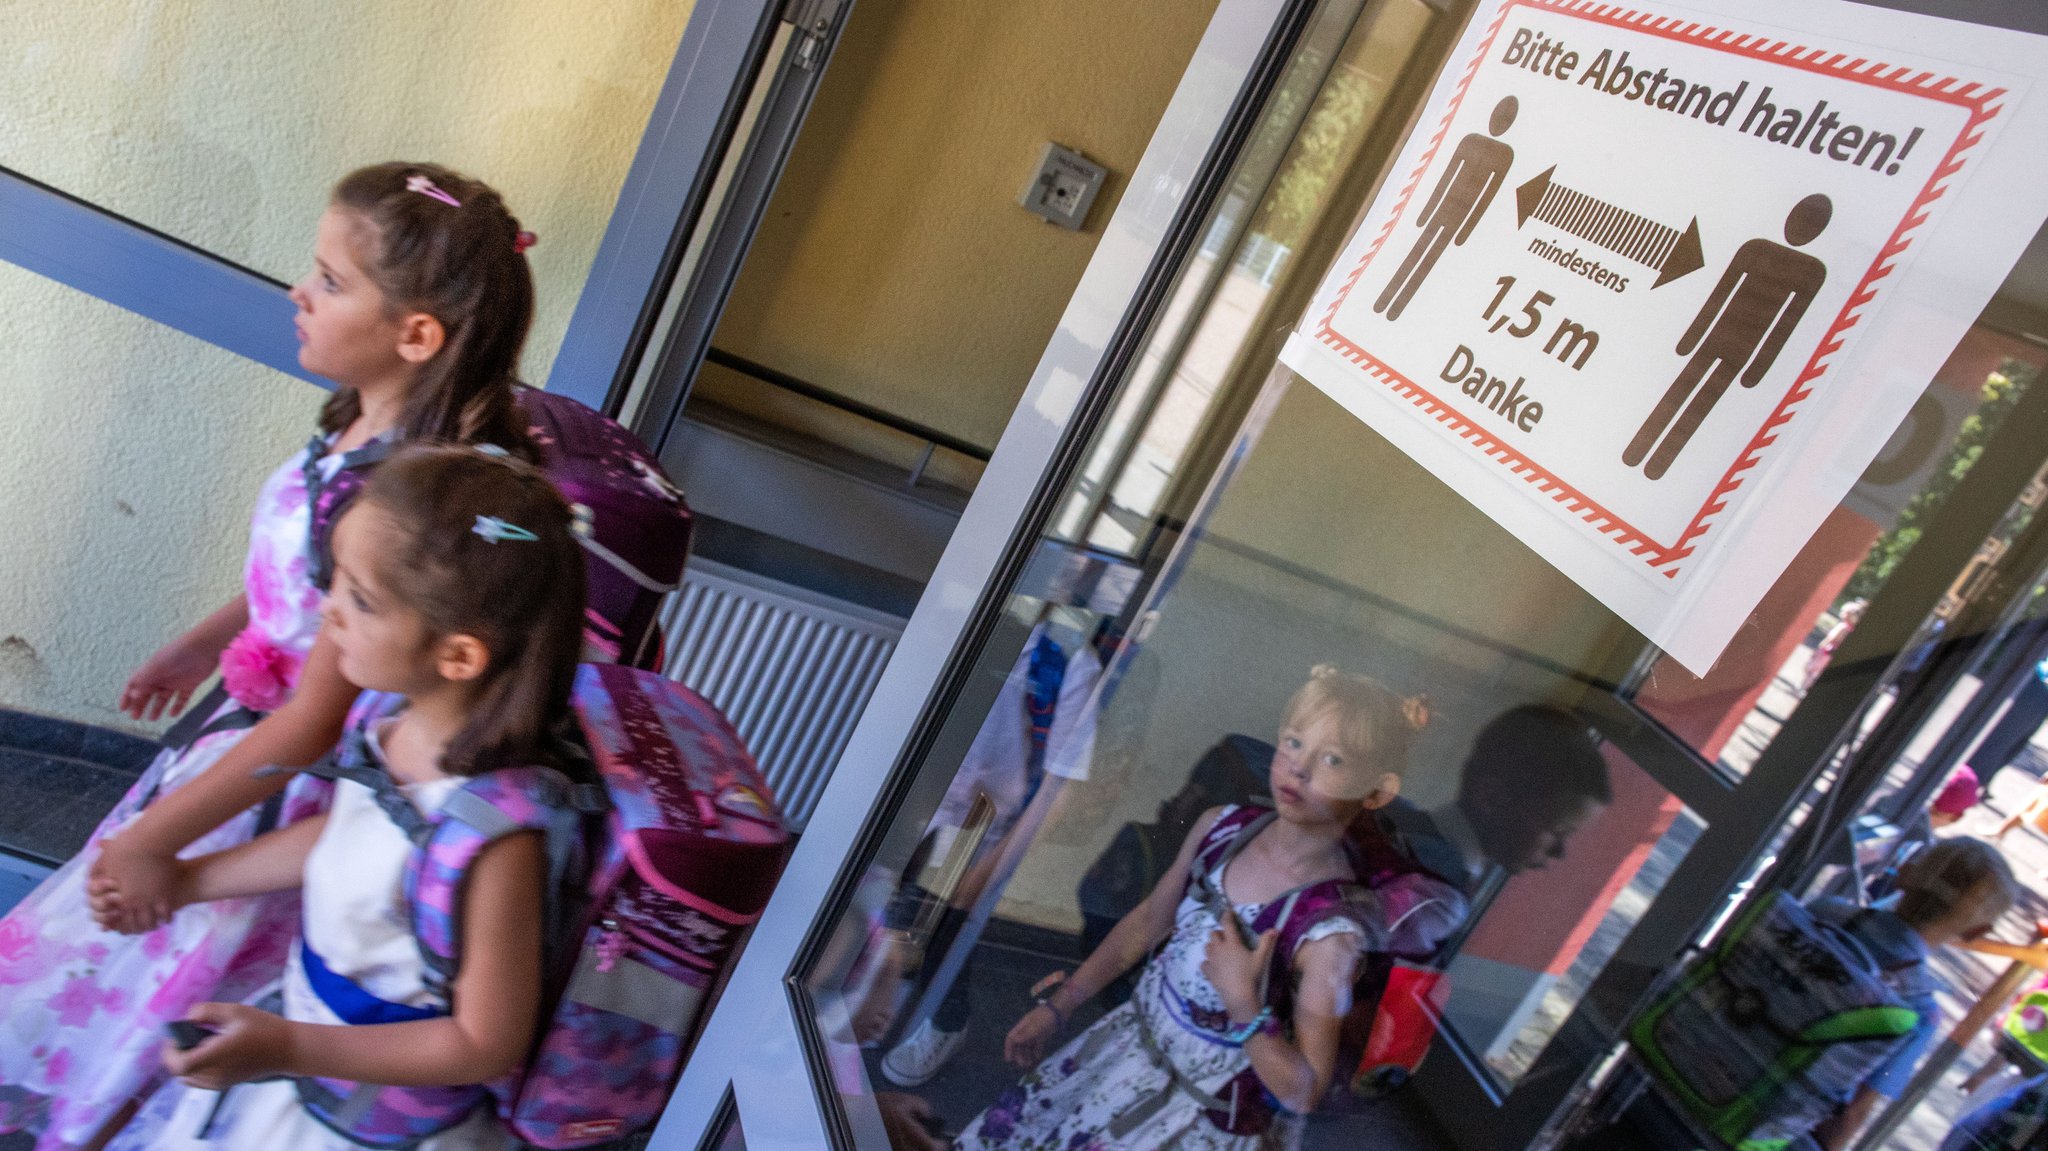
1239	1036
1059	1016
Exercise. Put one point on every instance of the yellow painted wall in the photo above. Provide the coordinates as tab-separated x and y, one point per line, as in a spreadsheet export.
130	453
895	266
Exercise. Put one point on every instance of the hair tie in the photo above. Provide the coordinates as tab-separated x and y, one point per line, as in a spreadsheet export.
425	186
523	241
495	530
1415	709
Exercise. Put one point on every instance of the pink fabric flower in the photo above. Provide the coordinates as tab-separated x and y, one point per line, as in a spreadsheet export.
258	673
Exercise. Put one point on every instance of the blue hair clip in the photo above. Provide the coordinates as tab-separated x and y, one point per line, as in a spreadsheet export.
495	530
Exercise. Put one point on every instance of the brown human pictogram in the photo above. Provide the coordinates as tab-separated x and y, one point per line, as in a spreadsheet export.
1477	170
1737	333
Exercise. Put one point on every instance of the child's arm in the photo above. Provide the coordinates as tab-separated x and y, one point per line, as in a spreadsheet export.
1297	1073
495	1002
1127	944
273	862
136	864
164	684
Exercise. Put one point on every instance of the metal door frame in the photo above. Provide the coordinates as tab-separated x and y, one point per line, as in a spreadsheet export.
755	1047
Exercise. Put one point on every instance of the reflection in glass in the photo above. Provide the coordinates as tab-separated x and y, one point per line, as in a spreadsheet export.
1524	968
1731	715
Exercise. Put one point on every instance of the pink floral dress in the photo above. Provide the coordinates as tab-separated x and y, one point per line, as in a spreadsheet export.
82	1010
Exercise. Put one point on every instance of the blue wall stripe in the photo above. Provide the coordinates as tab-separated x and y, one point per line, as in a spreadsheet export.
671	169
148	273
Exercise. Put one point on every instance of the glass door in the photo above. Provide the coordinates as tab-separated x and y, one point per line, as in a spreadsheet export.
1092	677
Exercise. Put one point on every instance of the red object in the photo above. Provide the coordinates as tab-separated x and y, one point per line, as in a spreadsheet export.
1404	1026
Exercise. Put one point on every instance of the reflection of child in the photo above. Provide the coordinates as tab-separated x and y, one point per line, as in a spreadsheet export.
1201	1057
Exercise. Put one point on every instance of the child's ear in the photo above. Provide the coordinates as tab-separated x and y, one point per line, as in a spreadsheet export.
461	658
1383	792
420	337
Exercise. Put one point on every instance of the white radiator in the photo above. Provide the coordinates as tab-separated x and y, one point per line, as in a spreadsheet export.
792	669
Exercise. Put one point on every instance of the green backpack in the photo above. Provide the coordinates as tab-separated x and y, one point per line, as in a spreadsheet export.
1767	1035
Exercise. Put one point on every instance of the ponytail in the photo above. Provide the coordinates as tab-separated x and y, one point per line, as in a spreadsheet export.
446	245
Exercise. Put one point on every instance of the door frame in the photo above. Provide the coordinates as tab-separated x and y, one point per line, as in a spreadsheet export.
754	1043
757	1049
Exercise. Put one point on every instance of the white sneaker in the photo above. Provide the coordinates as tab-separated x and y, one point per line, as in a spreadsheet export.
921	1054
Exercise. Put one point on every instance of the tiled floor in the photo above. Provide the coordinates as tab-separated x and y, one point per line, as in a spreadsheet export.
57	781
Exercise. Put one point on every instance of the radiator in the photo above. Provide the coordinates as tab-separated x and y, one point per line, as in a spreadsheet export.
792	669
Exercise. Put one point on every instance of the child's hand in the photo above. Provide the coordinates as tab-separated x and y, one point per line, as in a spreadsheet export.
1233	970
133	891
164	685
1024	1046
250	1044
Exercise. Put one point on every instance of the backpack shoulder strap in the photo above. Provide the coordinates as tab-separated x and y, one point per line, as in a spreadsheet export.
328	496
1227	836
484	810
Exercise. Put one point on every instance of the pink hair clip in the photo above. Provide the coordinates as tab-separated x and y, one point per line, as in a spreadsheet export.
523	241
426	187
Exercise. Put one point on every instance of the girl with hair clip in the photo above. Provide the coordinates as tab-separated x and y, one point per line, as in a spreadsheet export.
1233	1030
416	307
458	600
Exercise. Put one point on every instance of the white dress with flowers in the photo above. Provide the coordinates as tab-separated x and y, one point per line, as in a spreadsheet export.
82	1010
1106	1077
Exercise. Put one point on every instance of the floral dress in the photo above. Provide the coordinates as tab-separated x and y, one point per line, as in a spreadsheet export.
82	1010
1105	1091
359	923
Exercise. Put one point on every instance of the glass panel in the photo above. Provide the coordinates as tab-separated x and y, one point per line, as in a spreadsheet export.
1230	528
130	456
1524	969
224	124
1731	715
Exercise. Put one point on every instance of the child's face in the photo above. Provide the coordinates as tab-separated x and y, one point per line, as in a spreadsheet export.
347	330
1315	777
383	645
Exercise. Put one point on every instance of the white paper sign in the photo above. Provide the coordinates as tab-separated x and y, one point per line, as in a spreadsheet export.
1651	284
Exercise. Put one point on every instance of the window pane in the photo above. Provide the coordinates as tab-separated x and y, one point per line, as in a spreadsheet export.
224	124
1731	714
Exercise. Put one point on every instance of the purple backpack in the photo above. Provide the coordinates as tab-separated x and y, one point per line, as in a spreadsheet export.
651	884
639	524
1392	909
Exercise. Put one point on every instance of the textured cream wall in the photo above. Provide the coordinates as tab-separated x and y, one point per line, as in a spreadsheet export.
129	458
224	123
129	453
894	265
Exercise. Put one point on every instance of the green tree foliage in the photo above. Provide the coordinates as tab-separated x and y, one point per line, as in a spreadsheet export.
2002	389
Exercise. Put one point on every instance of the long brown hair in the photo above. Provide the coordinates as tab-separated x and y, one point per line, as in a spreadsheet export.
463	264
522	597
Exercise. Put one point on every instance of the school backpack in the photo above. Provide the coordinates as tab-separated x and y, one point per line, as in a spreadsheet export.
1404	915
636	537
1772	1031
2015	1120
652	883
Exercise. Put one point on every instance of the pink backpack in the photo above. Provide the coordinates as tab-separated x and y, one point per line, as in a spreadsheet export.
651	885
639	526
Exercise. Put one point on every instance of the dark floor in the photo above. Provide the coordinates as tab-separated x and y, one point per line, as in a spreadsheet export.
57	781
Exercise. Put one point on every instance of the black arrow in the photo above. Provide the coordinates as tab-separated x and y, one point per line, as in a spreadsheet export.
1668	251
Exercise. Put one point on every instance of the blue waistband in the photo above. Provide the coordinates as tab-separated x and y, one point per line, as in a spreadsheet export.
347	999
